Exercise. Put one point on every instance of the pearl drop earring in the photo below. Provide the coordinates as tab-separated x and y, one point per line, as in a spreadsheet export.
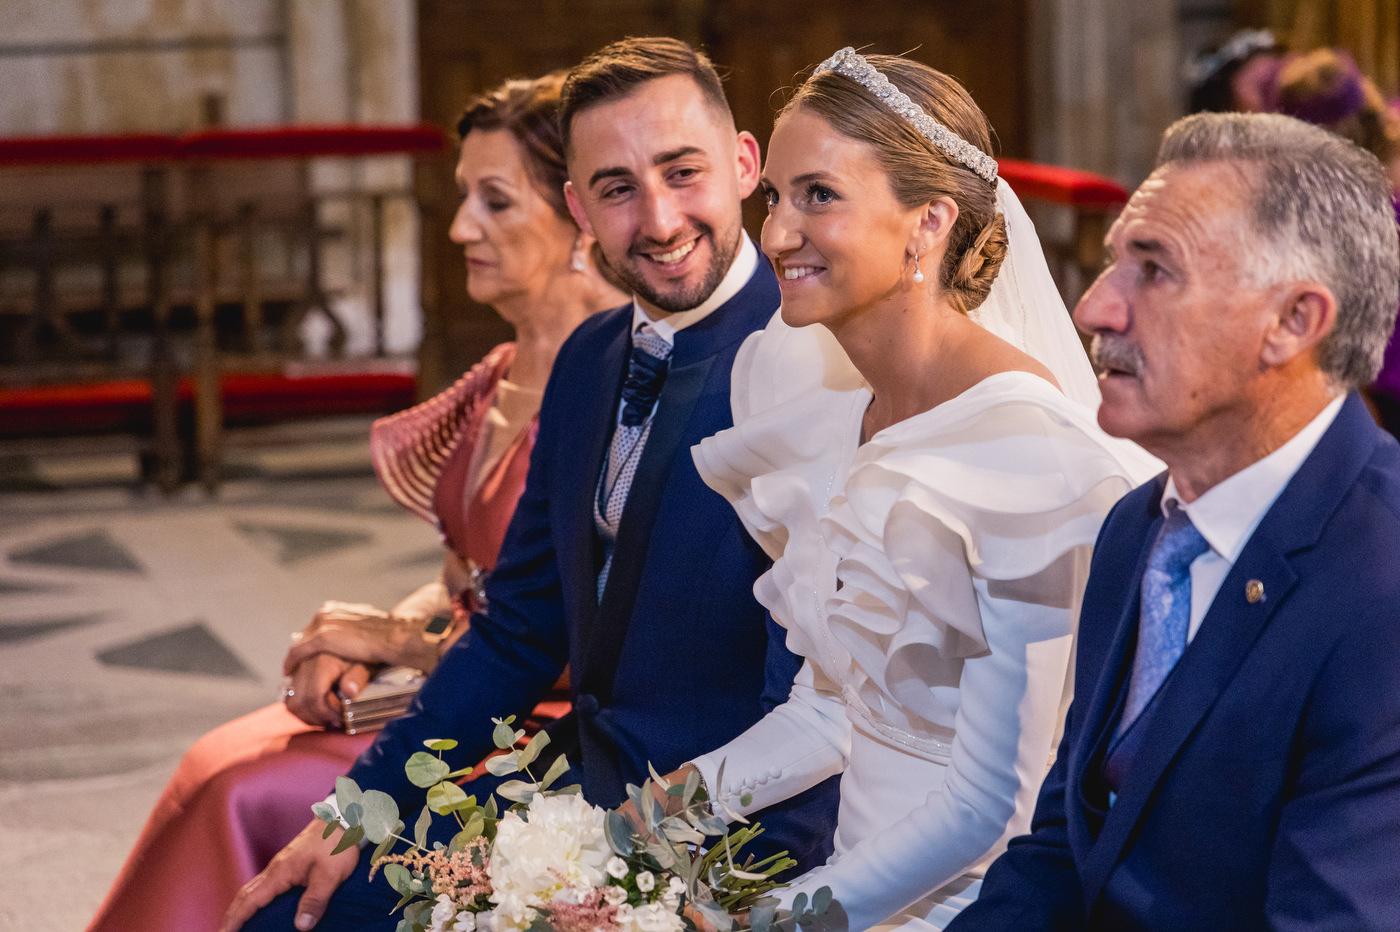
576	260
918	276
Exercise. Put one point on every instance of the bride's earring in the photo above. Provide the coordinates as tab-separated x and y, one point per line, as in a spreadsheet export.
577	262
918	276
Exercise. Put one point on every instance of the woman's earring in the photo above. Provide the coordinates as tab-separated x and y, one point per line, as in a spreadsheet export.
576	260
918	276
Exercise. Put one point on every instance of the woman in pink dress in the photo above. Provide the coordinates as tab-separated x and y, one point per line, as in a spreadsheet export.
458	461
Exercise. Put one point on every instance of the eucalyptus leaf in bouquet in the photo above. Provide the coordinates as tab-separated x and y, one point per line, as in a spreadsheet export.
554	863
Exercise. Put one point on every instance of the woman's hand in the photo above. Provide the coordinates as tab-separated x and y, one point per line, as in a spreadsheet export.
670	805
351	631
315	688
702	922
336	654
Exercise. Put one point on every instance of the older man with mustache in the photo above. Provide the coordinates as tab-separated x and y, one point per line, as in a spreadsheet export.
1232	756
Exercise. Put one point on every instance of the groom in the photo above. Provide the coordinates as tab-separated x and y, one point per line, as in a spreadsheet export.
1232	756
619	562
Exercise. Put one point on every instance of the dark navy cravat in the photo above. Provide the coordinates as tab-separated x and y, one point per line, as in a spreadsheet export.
646	373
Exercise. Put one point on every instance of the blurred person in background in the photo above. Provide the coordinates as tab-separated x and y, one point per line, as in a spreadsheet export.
1325	88
458	461
1240	76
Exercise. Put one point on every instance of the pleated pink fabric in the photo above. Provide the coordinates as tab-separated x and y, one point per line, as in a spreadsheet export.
412	448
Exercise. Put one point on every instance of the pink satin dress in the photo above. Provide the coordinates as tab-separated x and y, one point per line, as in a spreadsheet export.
245	789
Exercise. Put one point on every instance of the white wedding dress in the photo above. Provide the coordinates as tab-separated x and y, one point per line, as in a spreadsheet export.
931	579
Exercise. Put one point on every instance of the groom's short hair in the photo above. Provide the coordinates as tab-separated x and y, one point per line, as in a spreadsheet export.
617	70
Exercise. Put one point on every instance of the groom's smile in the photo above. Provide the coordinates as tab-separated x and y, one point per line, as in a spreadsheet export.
658	177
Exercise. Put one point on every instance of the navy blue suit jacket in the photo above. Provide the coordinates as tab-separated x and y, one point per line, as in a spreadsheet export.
1267	795
678	658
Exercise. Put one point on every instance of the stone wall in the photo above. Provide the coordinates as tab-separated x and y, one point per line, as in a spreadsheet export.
79	67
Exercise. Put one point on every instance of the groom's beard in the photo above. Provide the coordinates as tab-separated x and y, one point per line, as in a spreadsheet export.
681	297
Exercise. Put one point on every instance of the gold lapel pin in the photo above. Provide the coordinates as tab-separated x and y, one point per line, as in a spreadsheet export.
1253	591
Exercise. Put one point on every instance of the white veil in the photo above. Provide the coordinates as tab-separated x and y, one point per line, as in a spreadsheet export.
1024	307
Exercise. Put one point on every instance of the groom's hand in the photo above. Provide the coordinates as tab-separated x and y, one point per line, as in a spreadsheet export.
306	862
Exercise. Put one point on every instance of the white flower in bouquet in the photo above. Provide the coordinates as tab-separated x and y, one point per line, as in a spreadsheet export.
653	917
646	881
444	916
557	852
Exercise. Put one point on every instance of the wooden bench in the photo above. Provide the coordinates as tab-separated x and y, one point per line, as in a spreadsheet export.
149	224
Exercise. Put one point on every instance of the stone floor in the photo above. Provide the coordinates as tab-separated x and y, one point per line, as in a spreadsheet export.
131	623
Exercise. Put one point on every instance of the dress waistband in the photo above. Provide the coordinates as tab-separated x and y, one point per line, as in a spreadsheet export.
929	748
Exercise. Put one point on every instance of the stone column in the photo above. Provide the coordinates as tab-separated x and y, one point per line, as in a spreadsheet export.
1106	83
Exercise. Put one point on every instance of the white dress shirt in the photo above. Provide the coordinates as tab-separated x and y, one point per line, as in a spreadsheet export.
1227	514
734	280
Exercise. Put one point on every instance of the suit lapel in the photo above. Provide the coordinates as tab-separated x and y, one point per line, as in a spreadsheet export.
1116	664
697	349
1228	632
580	486
1231	626
682	390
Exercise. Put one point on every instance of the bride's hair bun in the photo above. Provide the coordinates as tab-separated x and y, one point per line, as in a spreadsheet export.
972	278
920	172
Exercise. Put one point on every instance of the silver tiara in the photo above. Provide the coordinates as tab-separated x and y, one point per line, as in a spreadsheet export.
854	66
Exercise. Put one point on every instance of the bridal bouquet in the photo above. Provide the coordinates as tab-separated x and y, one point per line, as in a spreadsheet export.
554	863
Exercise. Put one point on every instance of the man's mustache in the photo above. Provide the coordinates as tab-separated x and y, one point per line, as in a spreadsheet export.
647	244
1116	353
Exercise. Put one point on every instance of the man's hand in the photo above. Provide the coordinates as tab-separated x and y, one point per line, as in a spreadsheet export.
306	862
316	685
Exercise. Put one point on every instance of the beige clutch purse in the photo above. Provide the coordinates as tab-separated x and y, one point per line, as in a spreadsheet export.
383	699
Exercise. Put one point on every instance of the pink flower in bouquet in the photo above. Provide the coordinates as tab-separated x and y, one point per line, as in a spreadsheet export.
591	914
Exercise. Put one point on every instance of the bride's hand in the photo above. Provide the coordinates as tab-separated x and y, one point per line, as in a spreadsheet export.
670	805
702	922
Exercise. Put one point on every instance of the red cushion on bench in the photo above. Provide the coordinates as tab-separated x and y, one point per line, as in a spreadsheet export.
309	141
89	150
1061	185
124	406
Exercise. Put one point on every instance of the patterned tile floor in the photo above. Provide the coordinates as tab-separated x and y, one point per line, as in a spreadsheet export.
130	624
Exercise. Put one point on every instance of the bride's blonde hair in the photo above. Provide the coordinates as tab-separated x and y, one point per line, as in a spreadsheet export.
919	172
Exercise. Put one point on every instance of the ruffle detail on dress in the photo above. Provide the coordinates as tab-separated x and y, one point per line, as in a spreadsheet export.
779	364
1005	479
789	388
792	390
410	448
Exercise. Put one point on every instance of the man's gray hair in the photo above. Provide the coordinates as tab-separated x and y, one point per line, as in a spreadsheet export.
1323	209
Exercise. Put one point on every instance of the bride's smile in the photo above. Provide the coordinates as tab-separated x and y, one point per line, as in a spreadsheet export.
835	233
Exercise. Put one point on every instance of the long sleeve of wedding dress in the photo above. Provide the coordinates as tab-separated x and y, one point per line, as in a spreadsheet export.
964	810
800	743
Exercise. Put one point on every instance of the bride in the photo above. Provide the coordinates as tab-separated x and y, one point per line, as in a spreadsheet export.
915	446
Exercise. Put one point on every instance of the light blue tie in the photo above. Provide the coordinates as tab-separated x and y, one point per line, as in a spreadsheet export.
1166	610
